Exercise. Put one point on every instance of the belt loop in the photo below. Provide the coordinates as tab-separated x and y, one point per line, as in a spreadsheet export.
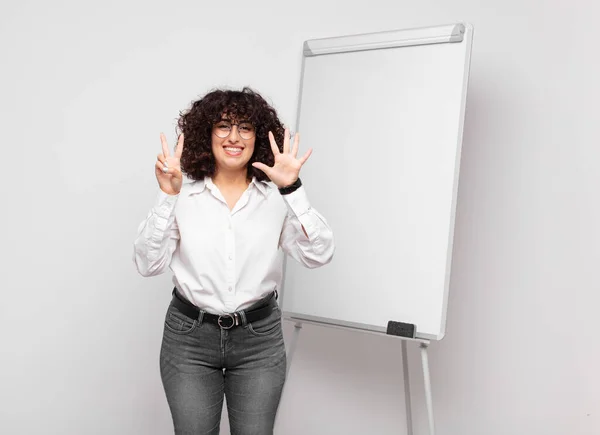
201	317
242	314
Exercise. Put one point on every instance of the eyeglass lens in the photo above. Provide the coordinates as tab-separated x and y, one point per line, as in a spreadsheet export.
245	129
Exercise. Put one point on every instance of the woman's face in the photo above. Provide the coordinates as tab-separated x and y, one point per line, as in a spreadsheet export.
233	144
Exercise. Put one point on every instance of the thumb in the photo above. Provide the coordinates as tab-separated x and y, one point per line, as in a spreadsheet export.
175	172
262	167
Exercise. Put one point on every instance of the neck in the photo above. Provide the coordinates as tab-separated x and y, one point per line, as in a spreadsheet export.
231	179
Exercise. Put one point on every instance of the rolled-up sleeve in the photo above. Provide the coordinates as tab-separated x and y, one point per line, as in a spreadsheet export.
315	250
157	237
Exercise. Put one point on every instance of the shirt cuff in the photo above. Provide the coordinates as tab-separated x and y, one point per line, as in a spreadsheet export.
297	201
165	203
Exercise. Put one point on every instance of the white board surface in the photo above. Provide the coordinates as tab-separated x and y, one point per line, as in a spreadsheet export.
386	128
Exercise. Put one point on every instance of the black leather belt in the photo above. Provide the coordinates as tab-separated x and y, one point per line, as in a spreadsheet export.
225	321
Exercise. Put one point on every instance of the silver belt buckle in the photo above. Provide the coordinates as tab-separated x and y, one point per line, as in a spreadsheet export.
220	321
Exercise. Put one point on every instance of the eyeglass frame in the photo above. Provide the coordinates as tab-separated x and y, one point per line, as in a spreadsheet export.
238	125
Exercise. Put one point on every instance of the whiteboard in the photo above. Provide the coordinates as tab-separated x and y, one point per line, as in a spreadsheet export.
384	114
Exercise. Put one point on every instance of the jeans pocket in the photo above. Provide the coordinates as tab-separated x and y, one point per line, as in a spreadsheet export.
268	325
179	323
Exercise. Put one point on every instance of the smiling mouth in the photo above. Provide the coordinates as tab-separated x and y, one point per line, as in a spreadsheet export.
233	151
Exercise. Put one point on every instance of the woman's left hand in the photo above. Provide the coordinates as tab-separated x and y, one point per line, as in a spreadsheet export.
287	167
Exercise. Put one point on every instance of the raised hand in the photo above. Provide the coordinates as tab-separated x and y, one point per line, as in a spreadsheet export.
168	168
287	167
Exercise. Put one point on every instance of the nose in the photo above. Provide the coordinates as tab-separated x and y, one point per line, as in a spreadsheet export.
234	134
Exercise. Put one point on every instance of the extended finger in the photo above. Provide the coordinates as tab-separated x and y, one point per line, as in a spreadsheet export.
295	147
286	141
179	148
306	156
262	167
274	147
165	145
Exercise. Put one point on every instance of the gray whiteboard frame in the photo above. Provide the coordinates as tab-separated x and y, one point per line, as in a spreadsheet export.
450	33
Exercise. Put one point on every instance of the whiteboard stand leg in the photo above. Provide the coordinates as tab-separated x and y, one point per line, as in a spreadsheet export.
427	380
292	348
407	396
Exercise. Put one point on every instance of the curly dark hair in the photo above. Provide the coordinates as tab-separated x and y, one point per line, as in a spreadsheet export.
196	124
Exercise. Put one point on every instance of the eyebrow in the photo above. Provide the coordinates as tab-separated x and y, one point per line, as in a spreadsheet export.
243	121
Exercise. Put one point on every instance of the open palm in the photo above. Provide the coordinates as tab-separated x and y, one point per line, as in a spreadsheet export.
286	168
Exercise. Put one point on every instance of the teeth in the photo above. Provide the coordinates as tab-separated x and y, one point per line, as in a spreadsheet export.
233	150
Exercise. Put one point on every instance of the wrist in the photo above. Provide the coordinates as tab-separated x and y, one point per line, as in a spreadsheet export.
170	193
291	188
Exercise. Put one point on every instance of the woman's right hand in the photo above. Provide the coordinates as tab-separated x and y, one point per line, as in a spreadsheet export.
171	179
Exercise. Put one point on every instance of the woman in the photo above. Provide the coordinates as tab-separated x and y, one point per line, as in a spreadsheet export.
224	236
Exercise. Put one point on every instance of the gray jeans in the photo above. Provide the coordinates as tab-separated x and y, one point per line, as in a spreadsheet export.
200	363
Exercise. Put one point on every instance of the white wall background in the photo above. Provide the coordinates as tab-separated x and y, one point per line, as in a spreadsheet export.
85	91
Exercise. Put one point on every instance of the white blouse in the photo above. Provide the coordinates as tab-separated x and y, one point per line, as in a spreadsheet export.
224	260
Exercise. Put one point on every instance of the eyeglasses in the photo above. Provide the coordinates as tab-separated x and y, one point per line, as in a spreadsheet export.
223	129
